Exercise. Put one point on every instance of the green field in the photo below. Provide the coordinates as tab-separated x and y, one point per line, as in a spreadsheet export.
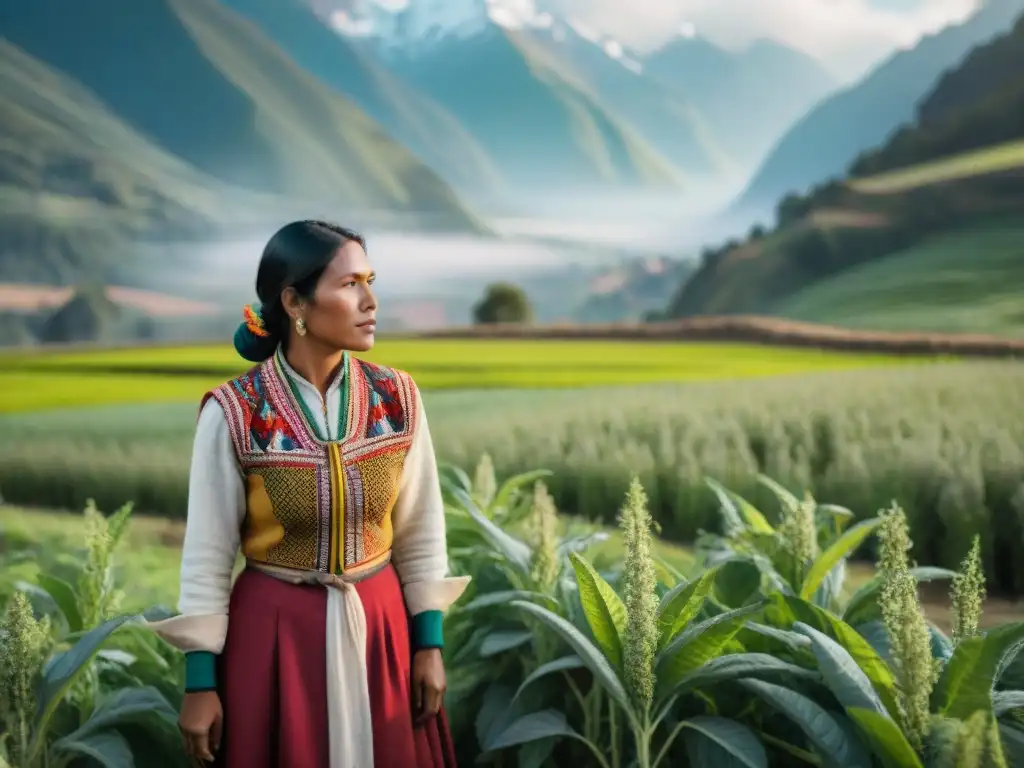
961	282
36	381
945	439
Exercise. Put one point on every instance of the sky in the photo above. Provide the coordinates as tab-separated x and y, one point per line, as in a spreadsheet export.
847	36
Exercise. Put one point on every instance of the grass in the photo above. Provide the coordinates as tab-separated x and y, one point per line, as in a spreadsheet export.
970	281
38	381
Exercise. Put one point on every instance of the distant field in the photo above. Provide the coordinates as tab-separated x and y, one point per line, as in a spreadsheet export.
963	282
43	380
997	159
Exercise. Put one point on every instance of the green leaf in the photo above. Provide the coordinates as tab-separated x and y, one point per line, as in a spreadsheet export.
503	640
864	656
698	644
710	739
1004	701
762	637
591	656
516	483
681	603
108	748
822	730
502	597
786	498
64	596
843	676
510	548
887	740
605	611
840	549
737	665
739	509
61	674
863	606
125	706
546	724
737	582
563	664
965	685
581	543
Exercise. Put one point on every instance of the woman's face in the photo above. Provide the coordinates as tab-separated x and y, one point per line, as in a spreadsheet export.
343	312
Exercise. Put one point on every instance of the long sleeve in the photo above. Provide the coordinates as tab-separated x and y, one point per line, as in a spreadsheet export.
419	550
216	509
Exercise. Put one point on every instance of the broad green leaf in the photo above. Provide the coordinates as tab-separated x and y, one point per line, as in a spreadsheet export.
675	576
503	640
822	730
581	543
1012	738
64	596
737	582
516	483
765	638
739	509
495	713
681	604
108	748
863	606
125	706
1004	701
61	674
843	676
716	742
737	665
965	685
535	754
563	664
785	496
887	740
511	548
698	644
605	611
865	657
502	597
546	724
837	552
593	658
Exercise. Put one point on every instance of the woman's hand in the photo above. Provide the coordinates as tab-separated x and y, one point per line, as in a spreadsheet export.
428	684
200	723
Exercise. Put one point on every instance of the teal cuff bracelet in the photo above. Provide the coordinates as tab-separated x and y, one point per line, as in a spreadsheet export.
200	671
427	630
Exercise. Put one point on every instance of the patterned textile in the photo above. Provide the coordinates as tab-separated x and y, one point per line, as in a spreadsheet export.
315	504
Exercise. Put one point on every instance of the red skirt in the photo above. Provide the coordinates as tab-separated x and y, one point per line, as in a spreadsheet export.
272	678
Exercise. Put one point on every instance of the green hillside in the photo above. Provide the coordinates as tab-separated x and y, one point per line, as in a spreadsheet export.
826	140
959	282
559	137
209	87
77	184
954	172
411	117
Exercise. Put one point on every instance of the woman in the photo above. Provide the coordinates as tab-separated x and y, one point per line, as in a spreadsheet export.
326	652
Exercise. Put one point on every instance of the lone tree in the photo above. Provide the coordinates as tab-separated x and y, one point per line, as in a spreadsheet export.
502	303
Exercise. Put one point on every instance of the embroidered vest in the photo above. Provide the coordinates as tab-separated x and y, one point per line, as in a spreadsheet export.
313	504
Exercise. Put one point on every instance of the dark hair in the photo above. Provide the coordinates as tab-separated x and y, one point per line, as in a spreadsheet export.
295	257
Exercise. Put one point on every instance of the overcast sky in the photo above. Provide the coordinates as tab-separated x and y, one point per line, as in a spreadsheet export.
845	35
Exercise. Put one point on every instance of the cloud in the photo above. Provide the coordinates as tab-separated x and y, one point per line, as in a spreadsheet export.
846	35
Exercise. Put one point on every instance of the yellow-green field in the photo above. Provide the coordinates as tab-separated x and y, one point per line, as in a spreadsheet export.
35	381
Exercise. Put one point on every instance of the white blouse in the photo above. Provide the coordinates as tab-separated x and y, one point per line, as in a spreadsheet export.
216	510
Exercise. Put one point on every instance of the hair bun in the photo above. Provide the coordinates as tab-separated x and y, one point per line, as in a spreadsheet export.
253	340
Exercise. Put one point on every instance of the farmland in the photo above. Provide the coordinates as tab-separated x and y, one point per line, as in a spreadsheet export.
35	381
944	437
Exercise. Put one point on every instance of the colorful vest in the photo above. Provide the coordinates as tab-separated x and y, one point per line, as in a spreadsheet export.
313	504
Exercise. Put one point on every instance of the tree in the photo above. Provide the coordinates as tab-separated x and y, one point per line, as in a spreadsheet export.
502	303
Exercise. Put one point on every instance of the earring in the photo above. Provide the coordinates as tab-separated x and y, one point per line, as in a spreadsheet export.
300	327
